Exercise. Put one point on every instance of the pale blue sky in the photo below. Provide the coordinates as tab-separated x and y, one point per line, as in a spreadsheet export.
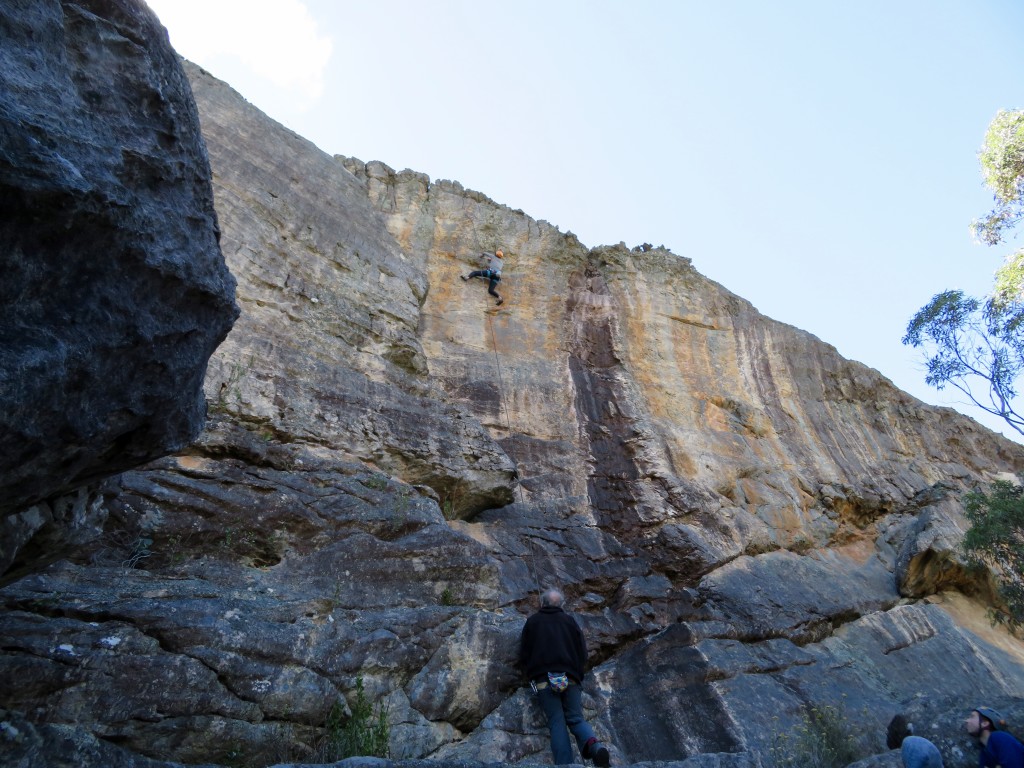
817	158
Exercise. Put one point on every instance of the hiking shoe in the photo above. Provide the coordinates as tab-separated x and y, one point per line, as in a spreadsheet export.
464	278
601	757
499	302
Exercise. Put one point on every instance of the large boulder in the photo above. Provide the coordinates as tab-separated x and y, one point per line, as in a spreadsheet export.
114	291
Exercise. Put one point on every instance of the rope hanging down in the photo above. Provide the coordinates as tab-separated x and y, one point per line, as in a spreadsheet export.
508	426
501	389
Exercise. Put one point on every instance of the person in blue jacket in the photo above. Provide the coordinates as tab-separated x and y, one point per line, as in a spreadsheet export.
997	748
553	652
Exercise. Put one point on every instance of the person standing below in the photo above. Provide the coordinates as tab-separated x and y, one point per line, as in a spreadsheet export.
997	747
492	273
553	652
915	751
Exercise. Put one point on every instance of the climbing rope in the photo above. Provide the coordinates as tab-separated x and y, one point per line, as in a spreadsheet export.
501	389
533	560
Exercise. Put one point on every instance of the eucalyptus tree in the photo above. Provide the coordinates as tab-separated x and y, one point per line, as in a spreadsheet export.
977	344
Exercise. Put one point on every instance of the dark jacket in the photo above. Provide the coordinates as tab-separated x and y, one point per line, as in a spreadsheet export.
552	641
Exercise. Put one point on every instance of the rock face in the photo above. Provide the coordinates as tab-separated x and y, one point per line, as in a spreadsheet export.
745	524
114	291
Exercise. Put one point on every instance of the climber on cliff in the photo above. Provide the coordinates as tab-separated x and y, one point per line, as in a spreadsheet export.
492	273
553	652
996	747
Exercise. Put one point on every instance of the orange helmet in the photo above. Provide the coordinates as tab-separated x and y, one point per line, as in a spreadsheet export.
499	254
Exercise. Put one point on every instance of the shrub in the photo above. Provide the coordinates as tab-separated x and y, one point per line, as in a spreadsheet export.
364	734
448	509
996	540
823	740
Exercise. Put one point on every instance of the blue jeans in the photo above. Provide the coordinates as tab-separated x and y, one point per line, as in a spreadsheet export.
563	710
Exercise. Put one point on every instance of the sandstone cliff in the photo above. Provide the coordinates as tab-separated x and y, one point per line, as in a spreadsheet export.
744	522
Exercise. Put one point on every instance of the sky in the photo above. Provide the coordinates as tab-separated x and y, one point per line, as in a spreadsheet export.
817	158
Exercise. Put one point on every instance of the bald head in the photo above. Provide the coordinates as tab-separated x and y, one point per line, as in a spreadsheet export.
552	598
